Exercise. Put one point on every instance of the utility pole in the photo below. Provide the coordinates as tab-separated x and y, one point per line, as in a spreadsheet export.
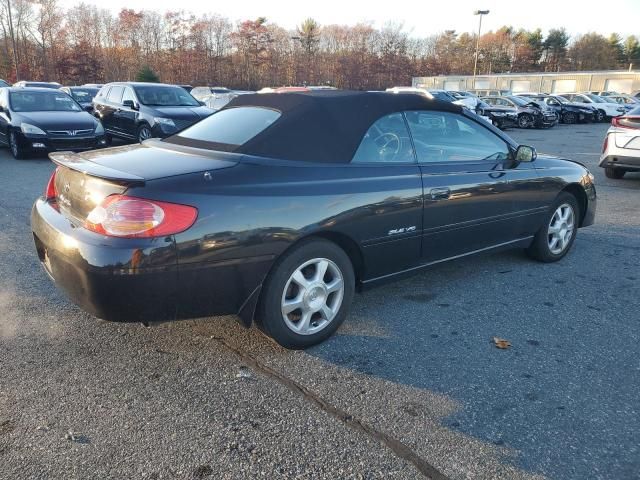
13	39
475	63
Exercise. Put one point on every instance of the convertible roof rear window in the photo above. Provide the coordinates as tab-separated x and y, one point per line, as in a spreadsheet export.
317	126
231	127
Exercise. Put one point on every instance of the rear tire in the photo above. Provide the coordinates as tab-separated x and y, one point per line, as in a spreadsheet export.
14	145
558	232
615	173
301	306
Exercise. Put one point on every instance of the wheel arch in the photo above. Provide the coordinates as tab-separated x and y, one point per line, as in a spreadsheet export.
351	248
581	196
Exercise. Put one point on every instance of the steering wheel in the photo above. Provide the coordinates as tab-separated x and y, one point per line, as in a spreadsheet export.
388	145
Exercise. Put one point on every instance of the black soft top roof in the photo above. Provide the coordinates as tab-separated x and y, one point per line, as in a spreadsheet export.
325	126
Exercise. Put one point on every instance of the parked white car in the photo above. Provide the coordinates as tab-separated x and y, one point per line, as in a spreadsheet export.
624	99
469	99
621	149
437	94
606	109
213	97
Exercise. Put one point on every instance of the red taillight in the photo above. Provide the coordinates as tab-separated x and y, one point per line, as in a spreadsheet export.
50	192
605	143
131	217
626	121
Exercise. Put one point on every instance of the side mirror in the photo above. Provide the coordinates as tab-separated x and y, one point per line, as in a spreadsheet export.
525	153
130	104
88	108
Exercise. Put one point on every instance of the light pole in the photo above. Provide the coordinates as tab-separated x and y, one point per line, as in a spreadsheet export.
475	63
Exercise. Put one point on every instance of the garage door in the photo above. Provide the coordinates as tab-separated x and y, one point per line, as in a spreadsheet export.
564	86
620	85
452	85
518	86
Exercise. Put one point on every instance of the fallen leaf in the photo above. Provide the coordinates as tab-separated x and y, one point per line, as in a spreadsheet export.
501	343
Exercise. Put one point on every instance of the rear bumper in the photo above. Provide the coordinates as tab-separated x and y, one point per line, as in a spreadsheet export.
620	161
137	280
109	279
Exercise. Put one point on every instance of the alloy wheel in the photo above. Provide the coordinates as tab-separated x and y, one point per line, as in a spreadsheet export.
312	296
560	229
525	120
570	117
144	134
13	143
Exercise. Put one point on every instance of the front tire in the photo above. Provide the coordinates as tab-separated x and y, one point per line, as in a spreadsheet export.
144	133
558	232
307	295
570	118
525	121
615	173
14	145
600	116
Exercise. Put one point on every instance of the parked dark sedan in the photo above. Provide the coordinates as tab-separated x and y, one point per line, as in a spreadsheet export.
138	111
500	116
83	95
279	206
40	120
529	114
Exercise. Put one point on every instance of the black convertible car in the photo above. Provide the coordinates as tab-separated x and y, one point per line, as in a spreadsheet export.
279	206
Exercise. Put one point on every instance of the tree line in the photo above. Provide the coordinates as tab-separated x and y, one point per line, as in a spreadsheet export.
39	40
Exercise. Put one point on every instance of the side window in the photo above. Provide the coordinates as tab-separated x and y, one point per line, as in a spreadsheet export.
115	94
102	94
128	95
386	141
451	137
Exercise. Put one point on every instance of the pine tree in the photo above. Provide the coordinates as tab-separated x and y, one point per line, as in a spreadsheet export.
145	74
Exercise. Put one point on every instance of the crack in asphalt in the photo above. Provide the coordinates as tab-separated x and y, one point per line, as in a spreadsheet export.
396	446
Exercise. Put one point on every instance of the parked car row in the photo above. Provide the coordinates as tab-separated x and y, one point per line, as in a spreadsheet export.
41	117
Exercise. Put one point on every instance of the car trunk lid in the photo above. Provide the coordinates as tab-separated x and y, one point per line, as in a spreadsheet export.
83	180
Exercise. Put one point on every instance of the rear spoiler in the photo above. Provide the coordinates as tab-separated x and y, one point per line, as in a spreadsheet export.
78	163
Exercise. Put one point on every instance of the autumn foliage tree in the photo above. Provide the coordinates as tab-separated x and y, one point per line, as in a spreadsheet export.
85	43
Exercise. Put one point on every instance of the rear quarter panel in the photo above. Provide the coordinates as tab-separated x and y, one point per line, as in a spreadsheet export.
250	214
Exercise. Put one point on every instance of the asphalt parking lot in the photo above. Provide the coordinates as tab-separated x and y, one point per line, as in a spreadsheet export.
411	387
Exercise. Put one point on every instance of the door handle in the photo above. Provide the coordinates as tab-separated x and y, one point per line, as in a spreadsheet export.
440	193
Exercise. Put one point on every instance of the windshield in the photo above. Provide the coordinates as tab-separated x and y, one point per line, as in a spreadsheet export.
84	95
227	128
42	102
161	96
596	98
520	101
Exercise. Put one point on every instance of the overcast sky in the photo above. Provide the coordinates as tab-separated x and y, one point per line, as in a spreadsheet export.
421	18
